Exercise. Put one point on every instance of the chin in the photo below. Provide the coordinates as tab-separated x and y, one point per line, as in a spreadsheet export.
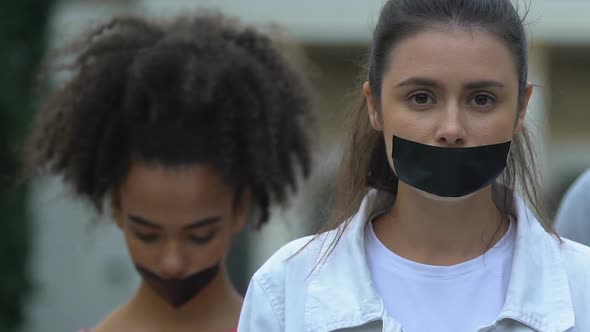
443	199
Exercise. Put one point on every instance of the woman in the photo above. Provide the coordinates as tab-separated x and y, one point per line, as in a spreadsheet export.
428	234
186	132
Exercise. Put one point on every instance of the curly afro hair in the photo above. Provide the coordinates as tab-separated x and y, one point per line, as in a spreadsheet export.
194	90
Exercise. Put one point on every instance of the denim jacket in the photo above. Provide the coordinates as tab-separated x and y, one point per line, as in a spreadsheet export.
548	290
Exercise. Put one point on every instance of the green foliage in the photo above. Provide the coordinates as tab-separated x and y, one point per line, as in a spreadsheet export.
22	38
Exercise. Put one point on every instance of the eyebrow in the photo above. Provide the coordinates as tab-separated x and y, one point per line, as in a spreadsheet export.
199	223
468	86
483	84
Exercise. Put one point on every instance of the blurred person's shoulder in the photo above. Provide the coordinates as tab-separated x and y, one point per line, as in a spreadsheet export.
572	220
581	186
577	201
585	177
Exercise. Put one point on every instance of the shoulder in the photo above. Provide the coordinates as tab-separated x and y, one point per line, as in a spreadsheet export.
280	278
584	178
293	263
580	188
115	321
573	216
301	254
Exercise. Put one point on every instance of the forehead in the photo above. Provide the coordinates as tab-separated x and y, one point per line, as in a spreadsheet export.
182	194
449	54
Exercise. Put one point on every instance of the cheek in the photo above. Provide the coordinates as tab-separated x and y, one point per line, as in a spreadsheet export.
138	252
412	125
496	128
221	245
213	252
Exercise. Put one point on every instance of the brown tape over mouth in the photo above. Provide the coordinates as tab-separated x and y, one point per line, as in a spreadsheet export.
177	292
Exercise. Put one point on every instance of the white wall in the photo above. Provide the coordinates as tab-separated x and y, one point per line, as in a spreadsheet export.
80	265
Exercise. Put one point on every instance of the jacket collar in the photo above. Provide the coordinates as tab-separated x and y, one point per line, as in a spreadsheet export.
538	291
341	292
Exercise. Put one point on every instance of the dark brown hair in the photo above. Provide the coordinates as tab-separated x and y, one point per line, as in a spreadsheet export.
194	90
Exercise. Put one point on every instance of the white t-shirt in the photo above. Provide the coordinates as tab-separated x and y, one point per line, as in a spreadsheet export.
457	298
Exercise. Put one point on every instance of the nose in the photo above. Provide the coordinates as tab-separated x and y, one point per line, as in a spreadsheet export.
451	129
172	265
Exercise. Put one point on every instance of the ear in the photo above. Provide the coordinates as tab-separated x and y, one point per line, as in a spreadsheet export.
242	212
522	112
372	107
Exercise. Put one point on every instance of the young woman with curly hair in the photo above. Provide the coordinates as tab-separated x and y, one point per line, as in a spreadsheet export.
187	131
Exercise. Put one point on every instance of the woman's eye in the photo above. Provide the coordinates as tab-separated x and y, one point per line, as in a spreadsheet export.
421	99
201	239
146	237
482	100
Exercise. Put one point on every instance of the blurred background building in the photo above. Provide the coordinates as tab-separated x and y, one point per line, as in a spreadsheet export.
80	269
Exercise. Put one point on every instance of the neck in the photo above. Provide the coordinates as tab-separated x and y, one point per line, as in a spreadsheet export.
440	231
217	303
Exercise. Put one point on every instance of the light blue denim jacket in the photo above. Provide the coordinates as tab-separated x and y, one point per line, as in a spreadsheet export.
548	291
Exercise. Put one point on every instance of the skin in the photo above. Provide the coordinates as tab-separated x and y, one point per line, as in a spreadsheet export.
449	88
176	222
